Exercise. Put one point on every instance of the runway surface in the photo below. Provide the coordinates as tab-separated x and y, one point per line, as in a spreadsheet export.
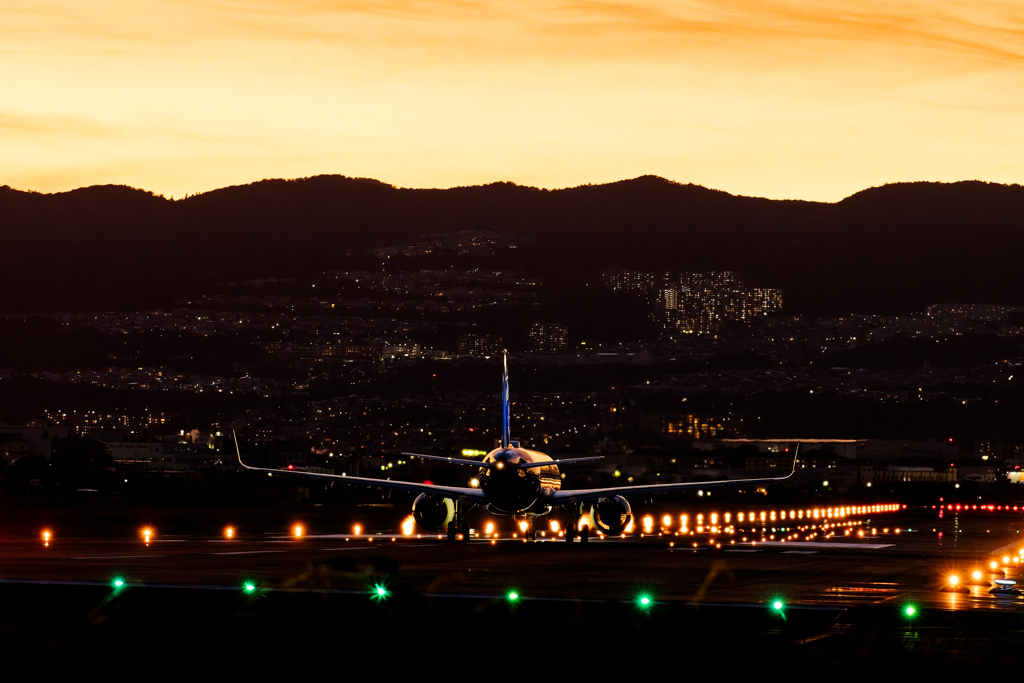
840	594
838	572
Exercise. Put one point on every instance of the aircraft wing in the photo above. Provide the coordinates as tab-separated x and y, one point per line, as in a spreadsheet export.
565	497
459	493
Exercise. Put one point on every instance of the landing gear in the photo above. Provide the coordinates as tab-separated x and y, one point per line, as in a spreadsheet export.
458	525
574	529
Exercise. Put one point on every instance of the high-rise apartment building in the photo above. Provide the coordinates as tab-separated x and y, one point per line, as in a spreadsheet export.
547	337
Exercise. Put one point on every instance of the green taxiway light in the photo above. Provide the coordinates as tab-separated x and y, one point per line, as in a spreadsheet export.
644	601
777	605
379	592
513	596
249	587
118	582
910	610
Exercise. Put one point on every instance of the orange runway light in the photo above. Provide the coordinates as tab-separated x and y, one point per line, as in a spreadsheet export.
147	535
356	530
298	531
46	538
229	532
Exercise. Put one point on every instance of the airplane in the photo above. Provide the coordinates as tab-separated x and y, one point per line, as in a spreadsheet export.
517	482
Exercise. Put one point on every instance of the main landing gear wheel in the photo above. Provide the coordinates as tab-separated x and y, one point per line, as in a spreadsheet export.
584	533
453	529
465	531
570	535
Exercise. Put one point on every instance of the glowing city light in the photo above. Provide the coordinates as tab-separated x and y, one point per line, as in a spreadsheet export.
523	525
555	527
648	523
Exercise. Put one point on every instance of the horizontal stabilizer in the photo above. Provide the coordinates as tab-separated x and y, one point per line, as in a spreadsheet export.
456	461
564	461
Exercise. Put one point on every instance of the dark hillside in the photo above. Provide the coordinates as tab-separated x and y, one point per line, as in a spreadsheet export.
890	249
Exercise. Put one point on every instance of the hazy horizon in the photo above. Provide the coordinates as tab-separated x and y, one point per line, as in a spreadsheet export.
501	182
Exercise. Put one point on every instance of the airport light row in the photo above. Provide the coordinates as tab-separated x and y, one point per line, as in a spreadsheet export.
712	523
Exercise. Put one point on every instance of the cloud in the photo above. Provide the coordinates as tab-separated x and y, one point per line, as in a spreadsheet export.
27	125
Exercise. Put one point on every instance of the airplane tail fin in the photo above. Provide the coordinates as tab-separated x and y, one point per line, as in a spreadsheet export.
506	439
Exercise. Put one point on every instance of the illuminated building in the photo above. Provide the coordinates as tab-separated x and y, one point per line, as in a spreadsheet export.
546	337
696	303
474	344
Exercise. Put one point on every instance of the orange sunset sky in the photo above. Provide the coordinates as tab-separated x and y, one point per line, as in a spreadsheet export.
776	98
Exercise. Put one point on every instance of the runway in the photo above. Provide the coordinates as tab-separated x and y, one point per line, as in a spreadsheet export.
839	595
910	565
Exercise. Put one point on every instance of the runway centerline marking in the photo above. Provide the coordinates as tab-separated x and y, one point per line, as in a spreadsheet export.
248	552
112	557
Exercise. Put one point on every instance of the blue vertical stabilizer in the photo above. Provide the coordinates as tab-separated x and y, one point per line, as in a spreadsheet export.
506	439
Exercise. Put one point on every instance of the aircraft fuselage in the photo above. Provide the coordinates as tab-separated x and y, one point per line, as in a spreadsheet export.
514	491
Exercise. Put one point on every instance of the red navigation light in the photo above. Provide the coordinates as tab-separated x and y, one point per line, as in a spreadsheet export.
291	467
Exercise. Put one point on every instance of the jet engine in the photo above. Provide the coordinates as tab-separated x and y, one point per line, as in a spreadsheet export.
433	512
611	516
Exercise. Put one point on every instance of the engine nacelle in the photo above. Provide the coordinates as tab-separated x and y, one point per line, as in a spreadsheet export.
433	512
611	516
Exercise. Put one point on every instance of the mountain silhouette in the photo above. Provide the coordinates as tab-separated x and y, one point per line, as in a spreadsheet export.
888	249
